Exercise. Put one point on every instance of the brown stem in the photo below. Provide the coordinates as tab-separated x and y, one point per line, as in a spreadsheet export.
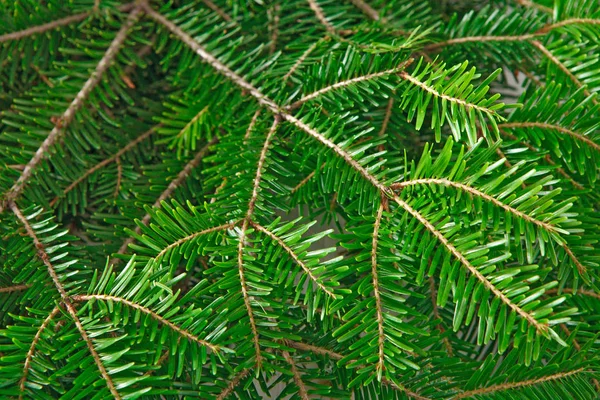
233	384
302	392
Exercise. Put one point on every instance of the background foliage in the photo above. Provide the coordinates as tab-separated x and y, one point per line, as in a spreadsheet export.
170	173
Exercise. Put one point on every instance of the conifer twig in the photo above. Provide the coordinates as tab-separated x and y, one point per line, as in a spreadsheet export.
385	191
217	9
15	288
233	384
293	255
348	82
75	105
376	293
55	24
31	350
105	162
302	392
562	67
66	299
475	192
173	185
152	314
242	239
514	385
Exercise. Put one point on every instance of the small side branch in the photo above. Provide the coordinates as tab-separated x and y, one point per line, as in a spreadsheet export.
301	59
475	192
41	253
152	314
293	255
514	385
44	27
242	239
233	384
434	92
543	125
218	10
75	105
366	9
181	177
209	58
15	288
561	66
104	163
302	392
193	236
31	351
376	292
321	16
348	82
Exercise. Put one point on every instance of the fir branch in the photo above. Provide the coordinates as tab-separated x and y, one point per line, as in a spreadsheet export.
152	314
301	59
75	105
15	288
321	16
573	292
105	162
173	185
386	119
242	239
274	27
567	22
387	192
366	9
302	392
31	351
252	123
233	384
376	293
119	177
547	157
349	82
218	10
293	255
305	180
513	385
66	299
479	39
193	236
562	67
209	58
434	92
437	316
529	3
475	192
246	296
309	348
577	136
54	24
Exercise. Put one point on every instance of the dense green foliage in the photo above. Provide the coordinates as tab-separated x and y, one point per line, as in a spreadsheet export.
313	198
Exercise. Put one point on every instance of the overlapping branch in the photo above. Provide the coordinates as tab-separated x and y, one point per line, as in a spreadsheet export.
184	333
75	105
66	299
514	385
104	163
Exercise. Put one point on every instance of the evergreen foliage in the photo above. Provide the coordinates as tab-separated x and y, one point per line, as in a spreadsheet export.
343	199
